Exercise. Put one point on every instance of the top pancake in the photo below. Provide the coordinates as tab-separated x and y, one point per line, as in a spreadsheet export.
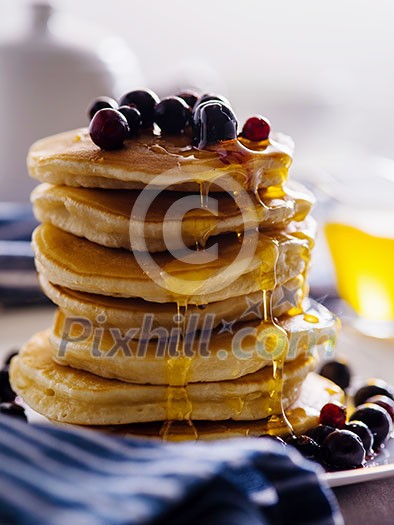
72	159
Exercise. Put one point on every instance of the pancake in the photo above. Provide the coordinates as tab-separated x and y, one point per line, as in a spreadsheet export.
74	396
107	218
130	313
303	415
205	357
72	159
267	260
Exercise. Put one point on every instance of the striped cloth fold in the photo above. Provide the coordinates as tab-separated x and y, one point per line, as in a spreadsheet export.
56	476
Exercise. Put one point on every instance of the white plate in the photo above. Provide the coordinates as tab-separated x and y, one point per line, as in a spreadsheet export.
368	358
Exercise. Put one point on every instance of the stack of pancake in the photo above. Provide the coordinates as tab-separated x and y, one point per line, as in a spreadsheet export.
180	281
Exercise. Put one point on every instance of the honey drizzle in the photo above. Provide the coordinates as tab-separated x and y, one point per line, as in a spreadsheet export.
204	193
178	405
268	322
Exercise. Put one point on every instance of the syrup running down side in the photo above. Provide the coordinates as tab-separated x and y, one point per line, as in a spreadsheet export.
269	335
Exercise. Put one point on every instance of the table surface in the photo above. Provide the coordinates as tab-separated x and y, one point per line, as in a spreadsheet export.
365	503
369	503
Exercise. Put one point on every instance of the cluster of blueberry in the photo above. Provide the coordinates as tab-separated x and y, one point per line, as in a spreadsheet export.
339	442
209	117
8	405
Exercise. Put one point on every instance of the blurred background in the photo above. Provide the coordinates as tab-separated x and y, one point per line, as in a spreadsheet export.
322	72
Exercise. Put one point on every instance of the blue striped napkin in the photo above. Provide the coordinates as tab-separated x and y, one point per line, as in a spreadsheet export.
55	476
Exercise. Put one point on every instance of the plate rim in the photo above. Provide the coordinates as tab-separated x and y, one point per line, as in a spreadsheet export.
342	478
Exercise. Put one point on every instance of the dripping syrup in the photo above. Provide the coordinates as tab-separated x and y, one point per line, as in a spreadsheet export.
278	336
178	405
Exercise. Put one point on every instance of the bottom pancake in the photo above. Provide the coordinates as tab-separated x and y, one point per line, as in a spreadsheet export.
303	415
73	396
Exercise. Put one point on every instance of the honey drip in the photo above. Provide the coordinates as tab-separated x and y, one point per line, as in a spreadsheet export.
269	333
204	193
276	343
178	405
202	231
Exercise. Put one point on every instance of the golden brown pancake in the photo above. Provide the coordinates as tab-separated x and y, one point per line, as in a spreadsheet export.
108	216
270	260
216	356
303	415
75	396
130	313
72	159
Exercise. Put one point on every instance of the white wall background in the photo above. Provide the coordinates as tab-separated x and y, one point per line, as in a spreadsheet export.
321	71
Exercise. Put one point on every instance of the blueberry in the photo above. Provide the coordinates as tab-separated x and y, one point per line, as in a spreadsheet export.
378	421
190	97
208	97
101	103
338	372
385	402
306	445
133	117
6	392
320	433
13	409
343	449
172	115
333	414
145	101
213	122
373	387
363	432
109	129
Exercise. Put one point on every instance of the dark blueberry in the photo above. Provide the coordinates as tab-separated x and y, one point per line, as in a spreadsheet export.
6	392
101	103
373	387
338	372
256	128
306	445
213	122
134	119
13	409
320	433
343	449
12	354
109	129
145	101
172	115
385	402
190	97
208	97
274	438
333	415
378	421
363	432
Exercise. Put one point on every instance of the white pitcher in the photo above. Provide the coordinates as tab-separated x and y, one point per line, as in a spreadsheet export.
47	78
